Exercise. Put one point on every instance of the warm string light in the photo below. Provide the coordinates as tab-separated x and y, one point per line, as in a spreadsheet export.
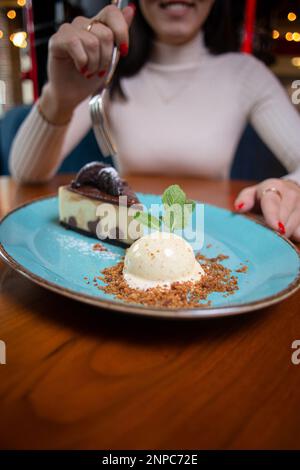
296	37
11	14
289	36
296	61
292	36
19	39
292	16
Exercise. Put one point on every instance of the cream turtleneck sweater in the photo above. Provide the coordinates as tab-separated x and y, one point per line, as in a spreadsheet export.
185	114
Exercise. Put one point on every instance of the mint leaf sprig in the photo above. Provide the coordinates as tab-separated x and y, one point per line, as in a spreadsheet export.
177	211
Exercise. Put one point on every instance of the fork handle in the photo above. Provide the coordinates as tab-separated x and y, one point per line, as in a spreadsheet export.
113	66
115	54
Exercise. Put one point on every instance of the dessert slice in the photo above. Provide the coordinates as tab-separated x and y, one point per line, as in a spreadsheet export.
101	204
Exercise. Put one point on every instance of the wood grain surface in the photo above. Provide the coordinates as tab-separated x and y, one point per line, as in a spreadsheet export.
82	378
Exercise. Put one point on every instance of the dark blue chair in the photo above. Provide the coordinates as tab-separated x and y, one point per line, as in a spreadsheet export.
9	125
85	152
253	160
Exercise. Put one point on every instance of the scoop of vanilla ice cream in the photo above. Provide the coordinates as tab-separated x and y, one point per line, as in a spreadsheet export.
159	259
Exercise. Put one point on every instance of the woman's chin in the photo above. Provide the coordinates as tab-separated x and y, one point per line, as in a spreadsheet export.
176	36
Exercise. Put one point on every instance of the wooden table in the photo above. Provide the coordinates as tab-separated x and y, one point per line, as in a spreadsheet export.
81	378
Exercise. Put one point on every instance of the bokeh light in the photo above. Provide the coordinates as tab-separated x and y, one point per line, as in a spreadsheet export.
292	16
296	61
19	39
296	37
11	14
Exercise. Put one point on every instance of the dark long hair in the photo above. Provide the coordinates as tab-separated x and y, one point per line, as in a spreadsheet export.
219	34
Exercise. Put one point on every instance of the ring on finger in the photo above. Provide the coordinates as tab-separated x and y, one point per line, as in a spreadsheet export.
91	24
271	189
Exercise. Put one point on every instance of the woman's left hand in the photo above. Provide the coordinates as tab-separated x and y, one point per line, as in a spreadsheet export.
280	204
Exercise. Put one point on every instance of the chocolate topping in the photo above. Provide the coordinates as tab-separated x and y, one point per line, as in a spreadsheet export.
103	177
110	181
102	182
88	174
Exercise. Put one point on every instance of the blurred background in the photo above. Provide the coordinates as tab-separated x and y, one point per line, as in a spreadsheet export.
26	25
269	29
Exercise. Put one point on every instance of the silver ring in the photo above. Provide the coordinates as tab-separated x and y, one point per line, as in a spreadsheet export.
272	190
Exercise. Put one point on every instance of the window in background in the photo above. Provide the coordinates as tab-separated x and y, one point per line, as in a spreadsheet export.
13	44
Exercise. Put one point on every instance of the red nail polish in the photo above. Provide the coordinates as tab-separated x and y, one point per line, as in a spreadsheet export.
101	73
133	6
281	228
89	75
240	206
84	70
123	49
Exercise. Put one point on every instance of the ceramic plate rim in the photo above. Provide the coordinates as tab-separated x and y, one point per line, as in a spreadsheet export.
128	308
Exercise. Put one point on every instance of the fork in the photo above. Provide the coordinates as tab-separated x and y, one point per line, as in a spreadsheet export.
97	106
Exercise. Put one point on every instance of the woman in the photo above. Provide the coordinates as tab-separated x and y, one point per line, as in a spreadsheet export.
175	107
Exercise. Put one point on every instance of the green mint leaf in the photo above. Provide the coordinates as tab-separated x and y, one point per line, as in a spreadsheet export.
174	217
145	218
191	203
177	217
173	195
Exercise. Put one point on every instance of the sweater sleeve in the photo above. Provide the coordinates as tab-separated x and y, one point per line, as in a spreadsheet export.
272	114
39	147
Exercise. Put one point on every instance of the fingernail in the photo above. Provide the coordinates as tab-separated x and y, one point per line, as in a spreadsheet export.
239	206
84	70
133	6
89	75
101	73
123	49
281	228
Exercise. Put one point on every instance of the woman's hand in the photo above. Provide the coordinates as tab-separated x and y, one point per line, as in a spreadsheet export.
79	59
280	206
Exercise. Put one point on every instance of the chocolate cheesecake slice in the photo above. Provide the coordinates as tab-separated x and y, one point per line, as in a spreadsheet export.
100	204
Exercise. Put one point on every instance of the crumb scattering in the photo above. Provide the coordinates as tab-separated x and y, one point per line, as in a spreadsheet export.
99	247
217	278
242	269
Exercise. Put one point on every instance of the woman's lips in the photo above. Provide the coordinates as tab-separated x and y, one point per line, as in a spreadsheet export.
176	2
176	8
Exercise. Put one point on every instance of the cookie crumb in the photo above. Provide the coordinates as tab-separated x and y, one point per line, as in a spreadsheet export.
99	247
217	278
242	269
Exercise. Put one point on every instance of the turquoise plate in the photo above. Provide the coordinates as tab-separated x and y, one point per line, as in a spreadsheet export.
33	243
